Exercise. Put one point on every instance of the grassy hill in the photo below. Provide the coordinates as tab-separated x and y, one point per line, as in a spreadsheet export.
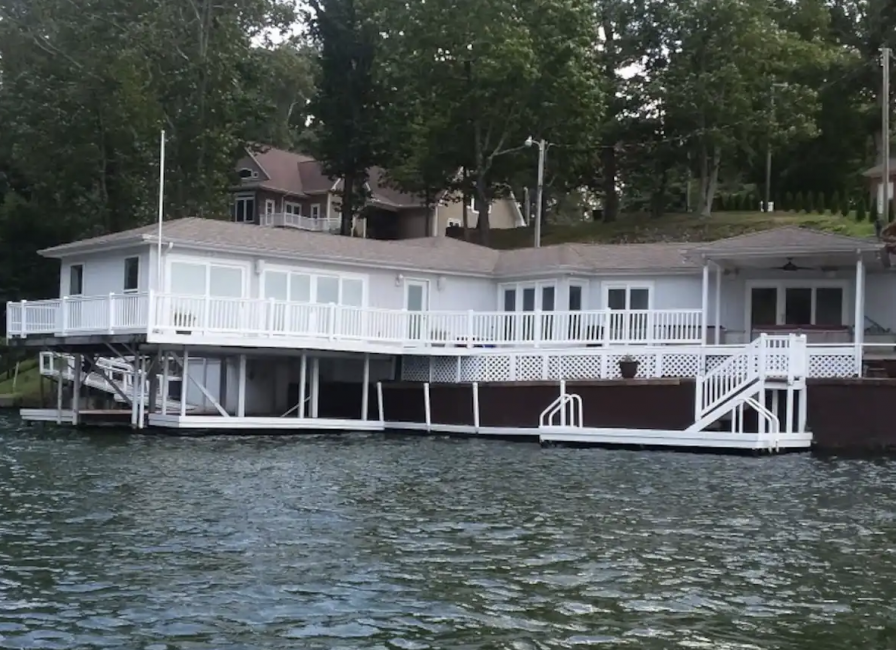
678	228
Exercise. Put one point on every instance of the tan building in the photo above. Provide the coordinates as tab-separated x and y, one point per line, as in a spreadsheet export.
278	187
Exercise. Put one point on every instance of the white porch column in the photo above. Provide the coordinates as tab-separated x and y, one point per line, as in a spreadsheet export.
185	380
859	328
365	388
76	391
718	334
703	319
303	382
165	370
241	389
315	386
61	364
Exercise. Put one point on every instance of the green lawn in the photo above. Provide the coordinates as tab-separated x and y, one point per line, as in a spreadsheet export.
27	386
678	228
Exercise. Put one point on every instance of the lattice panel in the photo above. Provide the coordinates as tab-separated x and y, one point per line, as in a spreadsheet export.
646	365
491	367
679	365
831	365
444	370
574	366
415	368
529	368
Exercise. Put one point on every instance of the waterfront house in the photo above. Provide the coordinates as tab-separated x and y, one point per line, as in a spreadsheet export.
281	188
284	328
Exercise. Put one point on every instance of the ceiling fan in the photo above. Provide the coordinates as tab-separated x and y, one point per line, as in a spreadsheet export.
790	266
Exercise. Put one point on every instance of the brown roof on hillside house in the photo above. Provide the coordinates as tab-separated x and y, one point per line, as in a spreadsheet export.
445	254
282	170
789	239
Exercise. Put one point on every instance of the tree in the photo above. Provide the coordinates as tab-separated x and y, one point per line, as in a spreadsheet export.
347	106
860	212
835	203
501	71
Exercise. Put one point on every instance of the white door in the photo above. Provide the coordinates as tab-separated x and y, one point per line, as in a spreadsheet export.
416	303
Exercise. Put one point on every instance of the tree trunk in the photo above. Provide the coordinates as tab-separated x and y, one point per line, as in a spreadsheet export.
348	208
466	209
658	198
712	182
611	196
482	223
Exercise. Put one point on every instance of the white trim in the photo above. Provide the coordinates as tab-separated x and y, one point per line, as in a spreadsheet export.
315	210
606	286
270	206
245	197
71	268
802	283
297	207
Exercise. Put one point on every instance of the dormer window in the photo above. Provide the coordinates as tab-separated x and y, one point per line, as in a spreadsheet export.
247	174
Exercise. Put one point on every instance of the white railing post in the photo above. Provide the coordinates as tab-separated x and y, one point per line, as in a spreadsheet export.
23	327
379	402
536	330
470	328
761	361
476	406
110	314
207	313
272	308
426	406
63	315
150	309
331	320
562	402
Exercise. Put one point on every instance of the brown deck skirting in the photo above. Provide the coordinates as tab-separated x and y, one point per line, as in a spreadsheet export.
852	414
636	403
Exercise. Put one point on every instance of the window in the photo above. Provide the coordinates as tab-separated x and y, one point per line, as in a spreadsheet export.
796	305
247	174
327	290
76	280
301	287
199	279
352	292
454	223
529	297
293	208
315	211
627	297
269	206
131	274
576	300
244	208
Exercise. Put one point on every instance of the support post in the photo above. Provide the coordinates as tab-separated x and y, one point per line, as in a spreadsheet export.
76	391
705	299
241	388
426	406
141	396
717	336
303	385
154	384
365	387
135	386
165	370
57	361
476	406
315	386
379	402
185	378
859	327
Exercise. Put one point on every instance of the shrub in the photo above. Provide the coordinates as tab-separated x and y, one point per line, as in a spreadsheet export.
860	211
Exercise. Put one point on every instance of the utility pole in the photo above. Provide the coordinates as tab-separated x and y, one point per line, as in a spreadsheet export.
885	137
539	191
768	152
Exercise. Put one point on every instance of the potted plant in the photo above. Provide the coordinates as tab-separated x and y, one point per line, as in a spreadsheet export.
628	367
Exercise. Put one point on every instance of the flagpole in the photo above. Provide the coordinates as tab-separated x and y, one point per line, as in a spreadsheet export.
159	287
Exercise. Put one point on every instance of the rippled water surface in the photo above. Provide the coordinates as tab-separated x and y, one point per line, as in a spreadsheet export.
364	541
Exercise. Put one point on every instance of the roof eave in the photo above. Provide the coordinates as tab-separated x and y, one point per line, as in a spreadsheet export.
785	251
86	248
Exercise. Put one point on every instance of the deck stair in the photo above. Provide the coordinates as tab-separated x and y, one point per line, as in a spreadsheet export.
118	379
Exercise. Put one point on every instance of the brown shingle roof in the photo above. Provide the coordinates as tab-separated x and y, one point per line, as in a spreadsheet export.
282	170
445	254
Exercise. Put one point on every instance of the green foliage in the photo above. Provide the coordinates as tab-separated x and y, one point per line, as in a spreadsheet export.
874	215
820	203
789	202
809	206
861	213
835	203
844	205
799	202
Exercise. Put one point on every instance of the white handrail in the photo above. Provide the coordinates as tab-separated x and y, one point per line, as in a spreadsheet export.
772	419
566	400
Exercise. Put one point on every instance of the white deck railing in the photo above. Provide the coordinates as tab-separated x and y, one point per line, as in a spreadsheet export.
261	318
313	224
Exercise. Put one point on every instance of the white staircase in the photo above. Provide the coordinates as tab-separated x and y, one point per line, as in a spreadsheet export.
766	368
116	378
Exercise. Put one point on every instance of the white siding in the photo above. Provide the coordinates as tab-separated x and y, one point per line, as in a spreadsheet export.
104	272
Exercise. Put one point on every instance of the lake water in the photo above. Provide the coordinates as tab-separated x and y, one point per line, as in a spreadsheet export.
113	540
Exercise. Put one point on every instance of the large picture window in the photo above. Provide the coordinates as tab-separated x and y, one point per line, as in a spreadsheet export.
244	208
297	286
